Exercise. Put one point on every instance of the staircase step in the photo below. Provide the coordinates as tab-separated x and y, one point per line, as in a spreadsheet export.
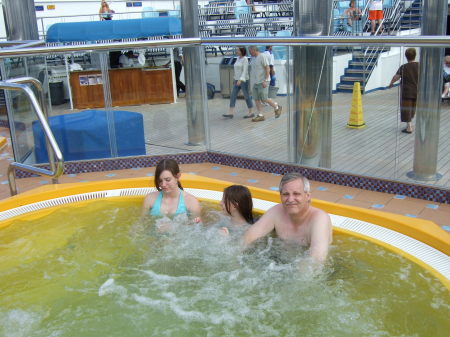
410	26
346	88
360	71
367	64
351	79
369	52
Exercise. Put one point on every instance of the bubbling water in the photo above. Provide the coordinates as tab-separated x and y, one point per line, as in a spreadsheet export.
111	274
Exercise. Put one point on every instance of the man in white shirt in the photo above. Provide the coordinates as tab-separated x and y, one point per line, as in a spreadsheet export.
375	15
271	59
126	60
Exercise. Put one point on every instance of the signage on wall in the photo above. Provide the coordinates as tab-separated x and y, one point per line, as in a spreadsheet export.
50	7
39	8
134	4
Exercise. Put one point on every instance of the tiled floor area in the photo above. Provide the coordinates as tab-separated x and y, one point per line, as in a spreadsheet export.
438	213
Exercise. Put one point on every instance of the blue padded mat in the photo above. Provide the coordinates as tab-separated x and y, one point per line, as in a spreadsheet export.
113	29
84	135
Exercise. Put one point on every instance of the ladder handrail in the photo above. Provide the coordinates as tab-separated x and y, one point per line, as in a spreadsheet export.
57	167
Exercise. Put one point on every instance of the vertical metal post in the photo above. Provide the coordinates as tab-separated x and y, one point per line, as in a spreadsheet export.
9	110
312	85
108	103
195	79
20	20
434	22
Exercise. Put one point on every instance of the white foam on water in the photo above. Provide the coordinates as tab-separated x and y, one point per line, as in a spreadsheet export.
158	278
19	323
110	287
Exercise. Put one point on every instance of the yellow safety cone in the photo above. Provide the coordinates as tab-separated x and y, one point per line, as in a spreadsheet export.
356	118
2	142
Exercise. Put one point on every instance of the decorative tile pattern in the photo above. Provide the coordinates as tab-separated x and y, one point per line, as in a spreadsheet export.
400	197
402	190
432	206
377	206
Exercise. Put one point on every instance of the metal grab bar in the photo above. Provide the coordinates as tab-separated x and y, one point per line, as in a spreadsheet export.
57	168
357	41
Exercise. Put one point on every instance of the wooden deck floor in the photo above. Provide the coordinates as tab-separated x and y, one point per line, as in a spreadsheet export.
379	150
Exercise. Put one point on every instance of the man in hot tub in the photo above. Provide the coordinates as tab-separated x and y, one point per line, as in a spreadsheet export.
295	220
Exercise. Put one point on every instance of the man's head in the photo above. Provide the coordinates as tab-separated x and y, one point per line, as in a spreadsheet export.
253	50
288	177
295	193
410	54
447	61
269	48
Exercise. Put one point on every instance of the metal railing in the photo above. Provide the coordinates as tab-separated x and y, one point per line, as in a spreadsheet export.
351	41
57	167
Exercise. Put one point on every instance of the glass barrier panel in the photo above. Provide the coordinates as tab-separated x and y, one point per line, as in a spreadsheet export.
367	132
19	113
246	118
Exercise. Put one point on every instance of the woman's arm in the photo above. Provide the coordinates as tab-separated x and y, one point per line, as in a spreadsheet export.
244	73
149	200
193	206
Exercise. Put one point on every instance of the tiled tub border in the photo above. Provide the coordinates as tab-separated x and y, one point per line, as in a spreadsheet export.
435	194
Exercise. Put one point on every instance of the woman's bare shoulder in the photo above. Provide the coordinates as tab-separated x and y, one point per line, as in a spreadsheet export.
150	197
189	198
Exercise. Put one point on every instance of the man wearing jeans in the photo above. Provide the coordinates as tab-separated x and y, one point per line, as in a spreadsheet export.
260	79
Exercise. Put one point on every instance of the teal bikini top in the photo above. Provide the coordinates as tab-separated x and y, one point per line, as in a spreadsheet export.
156	209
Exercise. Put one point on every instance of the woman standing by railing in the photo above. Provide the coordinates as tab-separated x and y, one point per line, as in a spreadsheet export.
105	13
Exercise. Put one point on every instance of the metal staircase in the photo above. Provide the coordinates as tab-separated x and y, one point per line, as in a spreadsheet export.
359	68
363	62
412	16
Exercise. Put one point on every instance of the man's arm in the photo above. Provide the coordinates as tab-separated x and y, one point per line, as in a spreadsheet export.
261	228
267	76
321	236
394	79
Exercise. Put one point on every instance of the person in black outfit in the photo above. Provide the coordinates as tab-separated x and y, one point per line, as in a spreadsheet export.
178	65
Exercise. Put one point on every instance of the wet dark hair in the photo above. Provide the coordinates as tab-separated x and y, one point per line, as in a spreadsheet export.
243	51
241	198
166	164
410	54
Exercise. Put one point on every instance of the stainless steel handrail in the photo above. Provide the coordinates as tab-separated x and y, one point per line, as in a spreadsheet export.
58	166
353	41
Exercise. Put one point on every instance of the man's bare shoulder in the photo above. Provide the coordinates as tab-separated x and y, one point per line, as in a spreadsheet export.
320	216
275	212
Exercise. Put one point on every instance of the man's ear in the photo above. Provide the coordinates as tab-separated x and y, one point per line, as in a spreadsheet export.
178	176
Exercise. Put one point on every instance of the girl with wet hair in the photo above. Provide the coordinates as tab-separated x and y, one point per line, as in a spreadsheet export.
237	203
170	199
